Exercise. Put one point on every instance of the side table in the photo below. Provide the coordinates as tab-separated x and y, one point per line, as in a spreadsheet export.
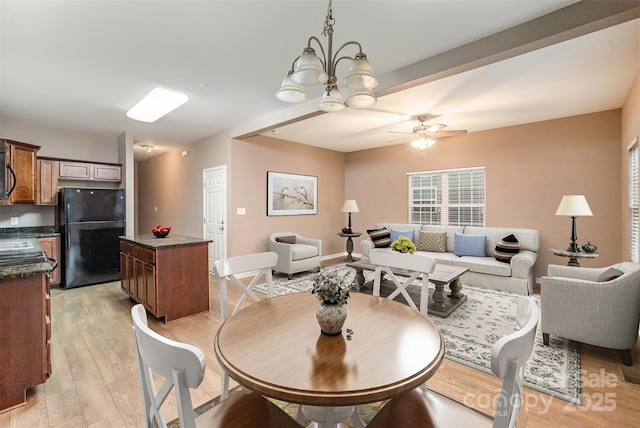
349	243
574	256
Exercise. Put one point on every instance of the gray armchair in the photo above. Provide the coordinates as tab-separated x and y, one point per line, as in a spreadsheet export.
295	252
580	304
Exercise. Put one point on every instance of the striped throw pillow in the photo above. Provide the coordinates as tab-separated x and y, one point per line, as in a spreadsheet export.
506	248
381	237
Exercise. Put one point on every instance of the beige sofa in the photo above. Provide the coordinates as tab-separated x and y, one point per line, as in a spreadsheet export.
517	276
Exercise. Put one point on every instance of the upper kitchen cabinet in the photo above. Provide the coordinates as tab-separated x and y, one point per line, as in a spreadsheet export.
74	170
20	172
47	181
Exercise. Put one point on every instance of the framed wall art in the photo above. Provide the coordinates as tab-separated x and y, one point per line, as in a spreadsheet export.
291	194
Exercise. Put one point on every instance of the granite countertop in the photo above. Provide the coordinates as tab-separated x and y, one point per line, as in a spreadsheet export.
26	268
170	241
27	232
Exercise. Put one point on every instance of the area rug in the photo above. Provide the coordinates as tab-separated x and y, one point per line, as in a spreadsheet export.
474	327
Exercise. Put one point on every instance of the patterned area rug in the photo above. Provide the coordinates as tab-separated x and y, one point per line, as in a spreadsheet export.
474	327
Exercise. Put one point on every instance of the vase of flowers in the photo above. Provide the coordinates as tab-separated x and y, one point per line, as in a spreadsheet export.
332	290
403	245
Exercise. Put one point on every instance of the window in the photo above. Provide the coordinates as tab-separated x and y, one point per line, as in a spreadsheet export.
633	201
450	197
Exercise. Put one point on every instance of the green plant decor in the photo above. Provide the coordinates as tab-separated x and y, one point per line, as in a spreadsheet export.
403	245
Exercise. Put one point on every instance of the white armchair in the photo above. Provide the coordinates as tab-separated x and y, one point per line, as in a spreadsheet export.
295	252
580	304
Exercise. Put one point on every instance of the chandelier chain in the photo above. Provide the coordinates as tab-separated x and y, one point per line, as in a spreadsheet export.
329	20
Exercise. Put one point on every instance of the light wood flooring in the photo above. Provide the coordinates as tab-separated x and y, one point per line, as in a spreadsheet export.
95	379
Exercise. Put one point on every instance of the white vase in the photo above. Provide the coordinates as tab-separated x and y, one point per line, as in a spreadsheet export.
331	318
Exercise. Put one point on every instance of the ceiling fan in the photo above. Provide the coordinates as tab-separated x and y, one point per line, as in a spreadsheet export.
424	136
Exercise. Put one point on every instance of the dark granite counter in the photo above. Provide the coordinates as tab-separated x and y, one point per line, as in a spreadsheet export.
28	267
27	232
170	241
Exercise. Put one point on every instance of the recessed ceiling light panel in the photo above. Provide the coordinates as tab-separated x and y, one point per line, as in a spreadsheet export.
156	104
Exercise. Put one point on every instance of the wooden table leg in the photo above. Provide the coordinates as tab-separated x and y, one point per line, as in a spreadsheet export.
455	286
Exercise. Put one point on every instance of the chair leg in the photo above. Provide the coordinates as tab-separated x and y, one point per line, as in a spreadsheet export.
625	356
545	338
290	276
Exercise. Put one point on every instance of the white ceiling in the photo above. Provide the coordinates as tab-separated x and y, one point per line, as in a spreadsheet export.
81	65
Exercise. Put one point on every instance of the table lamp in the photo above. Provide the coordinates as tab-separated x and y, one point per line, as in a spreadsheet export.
350	206
574	206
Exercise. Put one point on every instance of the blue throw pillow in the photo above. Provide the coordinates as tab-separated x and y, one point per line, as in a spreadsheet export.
395	234
470	245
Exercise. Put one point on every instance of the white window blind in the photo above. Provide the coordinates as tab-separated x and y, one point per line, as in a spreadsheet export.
634	205
450	197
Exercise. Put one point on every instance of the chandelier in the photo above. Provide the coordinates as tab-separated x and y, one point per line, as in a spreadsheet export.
309	69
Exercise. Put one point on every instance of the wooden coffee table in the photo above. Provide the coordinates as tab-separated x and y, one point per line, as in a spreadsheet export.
441	304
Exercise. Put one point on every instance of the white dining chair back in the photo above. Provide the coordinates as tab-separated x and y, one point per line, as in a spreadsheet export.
181	367
415	264
230	270
421	407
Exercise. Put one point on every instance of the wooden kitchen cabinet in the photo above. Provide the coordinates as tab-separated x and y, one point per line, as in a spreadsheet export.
77	170
51	247
47	186
25	335
21	158
168	276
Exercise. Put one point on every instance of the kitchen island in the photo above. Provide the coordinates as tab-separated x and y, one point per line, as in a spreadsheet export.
25	324
169	276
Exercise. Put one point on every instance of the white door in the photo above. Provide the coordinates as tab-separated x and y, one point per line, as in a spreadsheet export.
215	212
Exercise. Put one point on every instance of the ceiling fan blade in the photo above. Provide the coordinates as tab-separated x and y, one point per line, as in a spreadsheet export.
398	132
441	134
435	127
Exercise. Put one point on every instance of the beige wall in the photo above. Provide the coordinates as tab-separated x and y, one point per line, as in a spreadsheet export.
528	168
172	184
251	160
630	132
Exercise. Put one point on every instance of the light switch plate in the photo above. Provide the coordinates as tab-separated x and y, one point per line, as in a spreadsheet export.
14	221
241	211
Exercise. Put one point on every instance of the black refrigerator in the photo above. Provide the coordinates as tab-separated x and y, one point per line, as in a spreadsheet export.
90	222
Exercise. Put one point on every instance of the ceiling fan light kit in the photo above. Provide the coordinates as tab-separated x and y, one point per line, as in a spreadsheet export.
424	136
309	69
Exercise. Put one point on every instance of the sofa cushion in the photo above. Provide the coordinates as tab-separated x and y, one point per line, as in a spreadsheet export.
470	245
286	239
506	248
449	230
303	251
381	237
432	241
395	234
609	274
486	265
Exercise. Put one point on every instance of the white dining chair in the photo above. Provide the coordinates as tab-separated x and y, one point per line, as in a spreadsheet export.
421	407
182	367
415	265
230	270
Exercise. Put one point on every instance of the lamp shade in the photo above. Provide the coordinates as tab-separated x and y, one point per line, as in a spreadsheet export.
291	92
574	206
332	101
360	75
308	69
361	99
350	206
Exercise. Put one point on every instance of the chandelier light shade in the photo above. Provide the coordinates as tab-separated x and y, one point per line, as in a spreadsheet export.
574	206
310	69
422	142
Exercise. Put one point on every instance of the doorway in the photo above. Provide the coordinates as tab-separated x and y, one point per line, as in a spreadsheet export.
215	212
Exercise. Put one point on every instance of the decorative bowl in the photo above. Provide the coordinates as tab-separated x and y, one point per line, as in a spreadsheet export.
160	231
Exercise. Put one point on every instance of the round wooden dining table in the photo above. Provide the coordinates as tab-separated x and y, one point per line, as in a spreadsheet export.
275	347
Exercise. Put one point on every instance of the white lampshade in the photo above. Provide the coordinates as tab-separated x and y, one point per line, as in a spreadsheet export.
350	206
361	99
331	102
360	75
291	92
574	206
309	69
